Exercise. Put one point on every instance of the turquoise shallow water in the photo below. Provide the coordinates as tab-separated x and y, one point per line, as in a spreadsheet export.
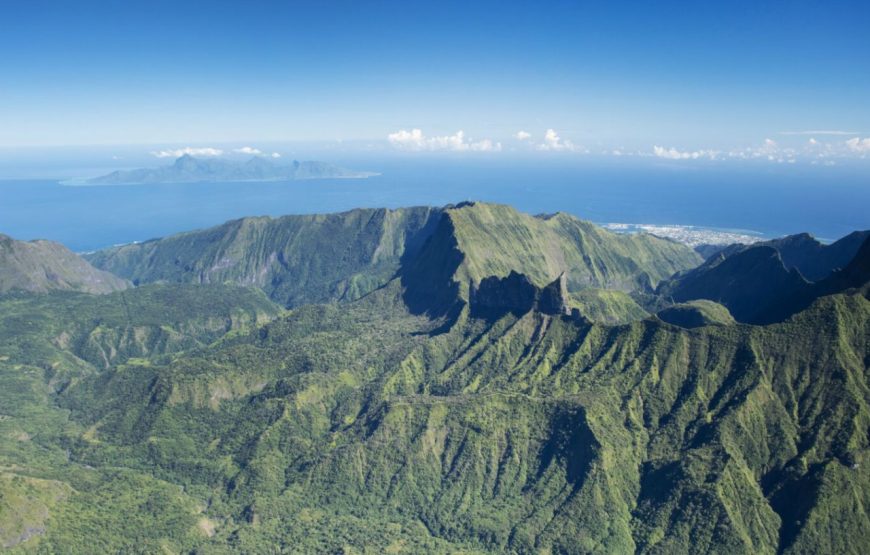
771	201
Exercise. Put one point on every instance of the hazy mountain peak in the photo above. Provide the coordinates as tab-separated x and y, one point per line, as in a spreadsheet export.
41	266
188	168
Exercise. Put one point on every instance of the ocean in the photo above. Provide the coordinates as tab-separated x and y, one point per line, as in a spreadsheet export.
767	200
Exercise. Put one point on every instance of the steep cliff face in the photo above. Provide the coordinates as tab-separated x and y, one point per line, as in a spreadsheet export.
341	257
475	245
294	259
497	239
516	294
41	266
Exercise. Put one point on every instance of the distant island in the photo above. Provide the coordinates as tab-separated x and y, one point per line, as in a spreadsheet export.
188	169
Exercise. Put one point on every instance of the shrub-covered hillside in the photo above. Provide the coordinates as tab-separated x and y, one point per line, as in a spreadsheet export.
467	405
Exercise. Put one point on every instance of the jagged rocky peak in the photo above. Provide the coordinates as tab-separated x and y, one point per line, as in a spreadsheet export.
495	296
553	297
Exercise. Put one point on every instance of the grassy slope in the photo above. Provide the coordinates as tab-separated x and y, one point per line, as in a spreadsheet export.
693	314
497	239
607	306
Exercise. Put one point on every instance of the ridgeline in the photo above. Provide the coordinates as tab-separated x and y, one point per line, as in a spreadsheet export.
466	379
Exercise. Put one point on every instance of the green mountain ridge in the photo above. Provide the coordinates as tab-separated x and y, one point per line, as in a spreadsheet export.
341	257
757	287
41	266
812	258
697	313
463	401
530	432
815	260
294	259
746	282
497	239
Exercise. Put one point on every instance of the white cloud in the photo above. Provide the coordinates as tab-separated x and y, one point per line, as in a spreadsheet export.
415	140
674	154
248	150
485	145
275	155
773	152
552	141
769	150
177	153
859	145
819	132
813	150
523	135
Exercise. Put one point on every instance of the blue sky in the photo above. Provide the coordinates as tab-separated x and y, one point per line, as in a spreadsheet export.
697	80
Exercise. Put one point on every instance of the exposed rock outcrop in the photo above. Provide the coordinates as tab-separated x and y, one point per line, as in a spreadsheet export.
494	297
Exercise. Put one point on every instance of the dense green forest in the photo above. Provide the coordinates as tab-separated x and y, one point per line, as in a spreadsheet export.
460	380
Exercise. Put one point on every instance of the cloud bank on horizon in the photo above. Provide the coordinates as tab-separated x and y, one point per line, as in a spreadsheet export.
856	144
415	140
553	142
251	151
210	152
190	151
812	150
